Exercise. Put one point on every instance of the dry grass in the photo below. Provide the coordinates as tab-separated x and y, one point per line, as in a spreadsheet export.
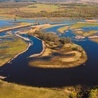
40	7
85	33
30	8
38	27
13	47
70	55
9	90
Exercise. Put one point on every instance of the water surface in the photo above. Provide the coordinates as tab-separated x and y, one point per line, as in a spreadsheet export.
18	70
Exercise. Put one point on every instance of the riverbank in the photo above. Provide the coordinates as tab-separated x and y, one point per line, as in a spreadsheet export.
15	27
26	39
20	91
38	54
20	53
12	49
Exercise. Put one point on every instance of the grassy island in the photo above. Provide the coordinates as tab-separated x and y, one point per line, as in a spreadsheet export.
63	29
58	52
79	25
10	48
77	28
85	33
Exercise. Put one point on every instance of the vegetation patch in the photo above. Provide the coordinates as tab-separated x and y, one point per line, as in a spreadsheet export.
93	93
37	10
58	53
63	29
9	90
10	48
77	29
83	24
20	91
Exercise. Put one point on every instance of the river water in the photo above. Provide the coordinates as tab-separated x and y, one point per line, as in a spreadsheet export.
18	70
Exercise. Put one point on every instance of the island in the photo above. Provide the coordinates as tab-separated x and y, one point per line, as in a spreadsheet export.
63	29
57	52
78	28
80	32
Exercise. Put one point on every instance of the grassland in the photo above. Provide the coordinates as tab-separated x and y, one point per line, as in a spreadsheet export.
70	55
36	10
10	48
9	90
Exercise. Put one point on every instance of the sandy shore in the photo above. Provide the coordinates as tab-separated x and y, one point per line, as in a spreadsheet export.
38	54
22	51
27	39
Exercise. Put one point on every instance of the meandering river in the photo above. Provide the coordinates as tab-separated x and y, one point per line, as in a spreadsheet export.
18	70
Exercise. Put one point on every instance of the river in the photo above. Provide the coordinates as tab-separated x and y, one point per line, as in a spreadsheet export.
18	70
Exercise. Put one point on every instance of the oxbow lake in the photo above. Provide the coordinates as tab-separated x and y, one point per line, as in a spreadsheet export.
18	70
